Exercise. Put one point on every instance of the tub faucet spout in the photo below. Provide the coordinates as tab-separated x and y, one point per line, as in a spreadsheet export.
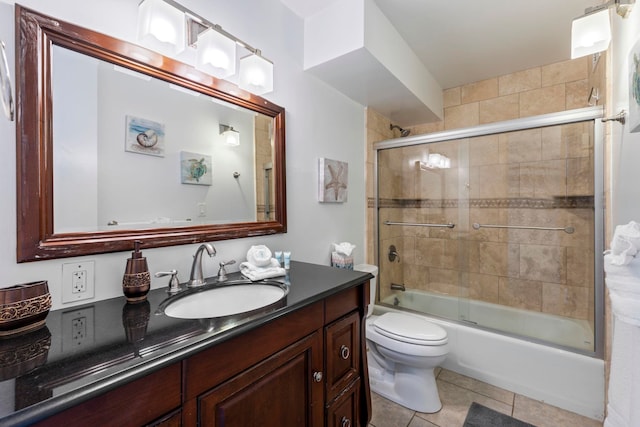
196	278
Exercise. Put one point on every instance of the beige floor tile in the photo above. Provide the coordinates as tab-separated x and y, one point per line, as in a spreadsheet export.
455	404
419	422
543	415
388	414
479	387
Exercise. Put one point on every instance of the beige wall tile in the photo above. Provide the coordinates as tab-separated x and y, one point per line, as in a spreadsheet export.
479	91
565	71
580	176
451	97
520	81
543	179
567	301
428	128
484	150
499	259
549	99
498	109
580	267
483	287
521	146
577	94
444	281
543	263
462	116
518	293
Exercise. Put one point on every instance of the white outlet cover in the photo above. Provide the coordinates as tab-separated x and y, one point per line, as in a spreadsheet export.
68	269
73	339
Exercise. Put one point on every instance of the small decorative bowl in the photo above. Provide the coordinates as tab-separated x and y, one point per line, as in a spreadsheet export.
24	307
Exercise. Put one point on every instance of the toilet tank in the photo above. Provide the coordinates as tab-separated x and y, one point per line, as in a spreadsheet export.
368	268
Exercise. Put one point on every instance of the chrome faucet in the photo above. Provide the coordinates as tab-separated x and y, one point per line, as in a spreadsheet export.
196	278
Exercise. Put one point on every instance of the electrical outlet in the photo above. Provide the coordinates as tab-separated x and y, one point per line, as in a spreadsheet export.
77	329
78	281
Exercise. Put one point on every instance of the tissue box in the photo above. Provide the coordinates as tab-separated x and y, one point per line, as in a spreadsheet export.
341	261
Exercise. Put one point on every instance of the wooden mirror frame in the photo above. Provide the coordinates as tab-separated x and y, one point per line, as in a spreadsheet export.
36	240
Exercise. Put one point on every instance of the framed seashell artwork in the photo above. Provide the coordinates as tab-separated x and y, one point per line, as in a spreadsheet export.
144	136
333	181
195	168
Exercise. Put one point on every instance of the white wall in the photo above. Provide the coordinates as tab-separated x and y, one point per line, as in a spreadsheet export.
625	173
320	122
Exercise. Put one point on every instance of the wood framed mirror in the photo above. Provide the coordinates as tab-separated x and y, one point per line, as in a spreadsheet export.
84	186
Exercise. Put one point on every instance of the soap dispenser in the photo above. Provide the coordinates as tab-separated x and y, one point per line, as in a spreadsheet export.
137	280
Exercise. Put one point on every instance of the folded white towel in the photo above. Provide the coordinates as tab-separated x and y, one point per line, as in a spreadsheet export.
625	243
259	256
254	273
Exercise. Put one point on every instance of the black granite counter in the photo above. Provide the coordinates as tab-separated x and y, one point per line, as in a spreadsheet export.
87	350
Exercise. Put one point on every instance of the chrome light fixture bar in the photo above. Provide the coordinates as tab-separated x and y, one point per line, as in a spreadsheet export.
216	48
591	32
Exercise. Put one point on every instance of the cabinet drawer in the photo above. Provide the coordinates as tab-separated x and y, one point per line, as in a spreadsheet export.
344	411
342	353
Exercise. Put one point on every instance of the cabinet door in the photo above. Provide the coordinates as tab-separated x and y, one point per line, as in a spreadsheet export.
342	353
281	391
343	412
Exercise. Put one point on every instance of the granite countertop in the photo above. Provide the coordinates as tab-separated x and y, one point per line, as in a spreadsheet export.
87	350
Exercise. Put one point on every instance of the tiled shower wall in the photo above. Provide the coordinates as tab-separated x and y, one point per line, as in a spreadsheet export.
507	174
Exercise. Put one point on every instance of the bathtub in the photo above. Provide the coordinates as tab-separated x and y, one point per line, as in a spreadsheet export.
561	378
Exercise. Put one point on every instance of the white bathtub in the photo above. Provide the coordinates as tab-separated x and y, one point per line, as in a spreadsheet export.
565	379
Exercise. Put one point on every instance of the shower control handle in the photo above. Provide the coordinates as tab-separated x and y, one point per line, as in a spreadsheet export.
345	352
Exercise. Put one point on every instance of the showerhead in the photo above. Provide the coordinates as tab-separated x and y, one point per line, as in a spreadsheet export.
403	132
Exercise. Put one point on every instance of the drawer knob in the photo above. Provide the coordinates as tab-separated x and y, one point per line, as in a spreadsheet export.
317	376
345	352
345	422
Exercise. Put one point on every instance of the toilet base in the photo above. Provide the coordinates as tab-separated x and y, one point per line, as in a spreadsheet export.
413	389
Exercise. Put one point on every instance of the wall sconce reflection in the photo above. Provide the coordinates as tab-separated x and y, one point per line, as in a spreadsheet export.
231	136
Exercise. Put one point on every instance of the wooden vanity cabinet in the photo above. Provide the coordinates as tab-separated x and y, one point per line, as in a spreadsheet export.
306	368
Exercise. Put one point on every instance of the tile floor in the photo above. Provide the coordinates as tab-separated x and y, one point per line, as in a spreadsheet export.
458	391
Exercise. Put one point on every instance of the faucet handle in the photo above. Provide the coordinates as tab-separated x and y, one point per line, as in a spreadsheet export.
174	283
222	273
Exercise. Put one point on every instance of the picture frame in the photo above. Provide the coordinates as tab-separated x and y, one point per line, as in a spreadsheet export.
195	168
333	181
634	88
144	136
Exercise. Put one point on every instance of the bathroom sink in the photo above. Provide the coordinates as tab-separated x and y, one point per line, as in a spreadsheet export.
225	299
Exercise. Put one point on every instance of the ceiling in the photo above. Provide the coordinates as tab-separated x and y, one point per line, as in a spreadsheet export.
465	41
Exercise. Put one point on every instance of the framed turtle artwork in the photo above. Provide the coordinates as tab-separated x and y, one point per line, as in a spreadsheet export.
195	168
634	88
144	136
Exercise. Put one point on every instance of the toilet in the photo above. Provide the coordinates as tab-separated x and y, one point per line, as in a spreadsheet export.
402	352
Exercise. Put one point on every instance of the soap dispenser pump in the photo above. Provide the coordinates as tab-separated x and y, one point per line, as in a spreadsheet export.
137	280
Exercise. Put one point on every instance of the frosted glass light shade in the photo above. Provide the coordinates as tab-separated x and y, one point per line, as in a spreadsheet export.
256	74
230	135
590	34
161	27
216	54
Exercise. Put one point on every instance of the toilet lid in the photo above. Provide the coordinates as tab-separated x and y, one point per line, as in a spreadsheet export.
410	329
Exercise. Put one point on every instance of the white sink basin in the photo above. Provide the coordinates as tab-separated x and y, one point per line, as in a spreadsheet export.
226	300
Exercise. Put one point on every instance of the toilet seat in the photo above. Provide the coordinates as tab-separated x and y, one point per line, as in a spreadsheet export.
410	329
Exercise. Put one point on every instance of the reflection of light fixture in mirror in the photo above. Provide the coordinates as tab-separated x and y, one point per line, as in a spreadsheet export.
591	32
215	48
256	74
231	136
161	27
216	54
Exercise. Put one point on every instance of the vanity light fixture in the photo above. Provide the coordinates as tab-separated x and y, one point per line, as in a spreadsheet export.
591	32
231	136
434	161
161	27
215	47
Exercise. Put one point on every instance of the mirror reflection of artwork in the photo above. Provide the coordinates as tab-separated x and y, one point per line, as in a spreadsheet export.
634	88
195	168
145	136
333	180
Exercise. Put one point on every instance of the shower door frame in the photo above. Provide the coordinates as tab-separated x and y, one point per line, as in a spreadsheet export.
533	122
